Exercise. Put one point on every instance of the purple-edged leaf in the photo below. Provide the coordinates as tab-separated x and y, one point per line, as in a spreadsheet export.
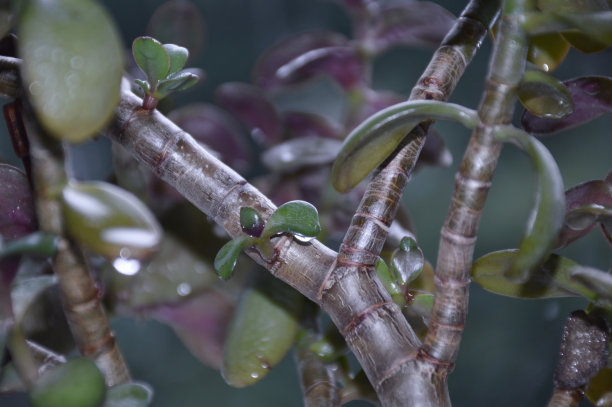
343	63
179	22
17	216
267	66
547	51
201	322
414	23
580	199
301	152
250	105
217	130
592	96
597	26
303	124
544	96
599	390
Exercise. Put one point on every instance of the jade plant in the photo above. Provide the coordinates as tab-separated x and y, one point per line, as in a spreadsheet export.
304	170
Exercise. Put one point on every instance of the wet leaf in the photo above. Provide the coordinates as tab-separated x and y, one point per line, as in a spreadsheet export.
262	331
178	57
174	83
72	65
547	51
546	218
553	278
201	322
110	221
133	394
226	258
599	390
267	66
544	96
370	143
407	261
592	96
251	221
216	130
16	205
77	383
410	23
250	105
302	124
298	218
152	58
302	152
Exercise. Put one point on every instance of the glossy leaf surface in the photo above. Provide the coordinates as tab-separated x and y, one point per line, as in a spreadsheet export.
544	96
251	221
301	152
547	51
583	42
77	383
249	104
592	96
262	331
72	65
370	143
407	261
547	215
110	221
174	83
299	218
226	258
152	58
131	394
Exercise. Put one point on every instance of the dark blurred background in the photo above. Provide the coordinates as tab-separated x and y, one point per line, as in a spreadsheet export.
510	346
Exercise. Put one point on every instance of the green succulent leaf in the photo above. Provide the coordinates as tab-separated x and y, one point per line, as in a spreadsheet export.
370	143
144	85
77	383
179	81
178	57
152	58
299	218
37	243
226	258
131	394
599	390
390	283
110	221
251	221
544	96
548	213
597	26
547	51
263	330
407	261
72	65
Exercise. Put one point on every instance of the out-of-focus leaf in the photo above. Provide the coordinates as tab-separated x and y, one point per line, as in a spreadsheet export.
597	26
110	221
37	243
262	331
592	96
302	124
249	104
583	42
434	151
26	291
172	275
265	73
251	221
301	152
217	130
544	96
389	282
580	199
152	58
226	258
17	217
77	383
599	390
409	23
553	278
178	57
72	65
201	322
364	102
370	143
343	63
407	261
178	22
6	18
132	394
573	6
299	218
546	219
547	51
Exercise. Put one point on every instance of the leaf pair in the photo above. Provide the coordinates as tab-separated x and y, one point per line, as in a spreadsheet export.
162	64
297	218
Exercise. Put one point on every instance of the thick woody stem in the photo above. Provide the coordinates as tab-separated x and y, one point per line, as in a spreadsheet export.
80	295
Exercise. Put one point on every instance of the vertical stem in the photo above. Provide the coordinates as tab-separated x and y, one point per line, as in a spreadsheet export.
81	298
566	398
472	183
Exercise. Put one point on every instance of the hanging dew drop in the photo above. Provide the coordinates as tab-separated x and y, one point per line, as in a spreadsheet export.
302	238
255	375
183	289
128	267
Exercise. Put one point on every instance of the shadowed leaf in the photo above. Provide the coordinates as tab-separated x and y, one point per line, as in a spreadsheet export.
131	394
370	143
250	105
265	73
299	218
301	152
72	65
365	102
36	243
16	204
592	96
303	124
544	96
599	391
583	42
251	221
152	58
547	51
547	215
226	258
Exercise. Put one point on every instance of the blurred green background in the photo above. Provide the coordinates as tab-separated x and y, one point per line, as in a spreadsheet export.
510	346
